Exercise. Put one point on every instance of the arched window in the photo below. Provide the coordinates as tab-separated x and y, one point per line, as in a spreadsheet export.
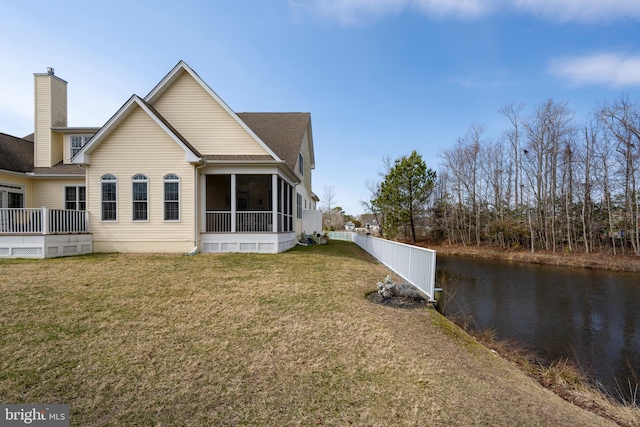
140	198
109	197
171	197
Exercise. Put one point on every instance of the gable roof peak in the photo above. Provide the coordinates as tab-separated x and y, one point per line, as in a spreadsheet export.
182	68
83	156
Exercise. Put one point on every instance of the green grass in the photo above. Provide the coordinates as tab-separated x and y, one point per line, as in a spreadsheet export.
247	339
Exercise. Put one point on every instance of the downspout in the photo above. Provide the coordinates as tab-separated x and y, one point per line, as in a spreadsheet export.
196	227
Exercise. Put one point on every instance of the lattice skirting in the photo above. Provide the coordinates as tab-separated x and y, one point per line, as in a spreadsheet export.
45	246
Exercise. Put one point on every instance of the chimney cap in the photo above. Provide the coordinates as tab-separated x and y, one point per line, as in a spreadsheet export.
50	71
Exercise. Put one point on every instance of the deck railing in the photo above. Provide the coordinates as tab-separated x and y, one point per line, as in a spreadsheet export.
246	221
219	221
43	221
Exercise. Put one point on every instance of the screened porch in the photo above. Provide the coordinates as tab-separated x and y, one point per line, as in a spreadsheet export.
248	203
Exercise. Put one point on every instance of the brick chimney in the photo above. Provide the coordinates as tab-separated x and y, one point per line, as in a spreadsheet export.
50	111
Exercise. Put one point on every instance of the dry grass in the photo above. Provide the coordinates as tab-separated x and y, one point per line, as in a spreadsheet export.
242	339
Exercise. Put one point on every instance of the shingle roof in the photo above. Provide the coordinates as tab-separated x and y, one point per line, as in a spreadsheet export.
60	169
238	158
16	154
282	132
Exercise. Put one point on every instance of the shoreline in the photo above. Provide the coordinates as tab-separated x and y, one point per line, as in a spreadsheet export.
560	376
597	260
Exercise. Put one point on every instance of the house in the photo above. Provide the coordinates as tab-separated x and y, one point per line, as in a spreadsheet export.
349	226
175	171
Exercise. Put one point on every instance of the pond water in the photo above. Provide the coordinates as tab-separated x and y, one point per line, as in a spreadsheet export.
591	317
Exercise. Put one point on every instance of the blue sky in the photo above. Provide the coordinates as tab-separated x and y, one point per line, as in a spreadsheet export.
380	77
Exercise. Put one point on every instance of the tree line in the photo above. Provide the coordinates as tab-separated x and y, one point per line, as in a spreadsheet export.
547	183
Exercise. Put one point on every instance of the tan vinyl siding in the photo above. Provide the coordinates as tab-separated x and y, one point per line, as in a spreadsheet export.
50	192
305	180
50	111
66	153
42	122
58	103
306	156
140	146
57	148
203	121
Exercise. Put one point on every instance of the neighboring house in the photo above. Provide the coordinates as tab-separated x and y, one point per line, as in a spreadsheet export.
175	171
372	225
349	226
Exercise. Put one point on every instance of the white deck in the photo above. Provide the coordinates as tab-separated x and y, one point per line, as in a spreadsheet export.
45	245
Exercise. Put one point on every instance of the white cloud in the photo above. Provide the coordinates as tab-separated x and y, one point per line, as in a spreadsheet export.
359	11
581	10
602	68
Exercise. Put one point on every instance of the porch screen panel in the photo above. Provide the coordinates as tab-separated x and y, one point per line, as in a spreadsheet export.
285	208
218	203
253	192
218	193
254	203
290	208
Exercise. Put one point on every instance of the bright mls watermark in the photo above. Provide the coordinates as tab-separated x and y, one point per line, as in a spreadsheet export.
34	415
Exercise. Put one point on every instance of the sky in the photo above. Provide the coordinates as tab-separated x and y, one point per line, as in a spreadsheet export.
381	78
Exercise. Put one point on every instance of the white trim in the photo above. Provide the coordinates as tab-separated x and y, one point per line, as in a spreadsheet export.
183	67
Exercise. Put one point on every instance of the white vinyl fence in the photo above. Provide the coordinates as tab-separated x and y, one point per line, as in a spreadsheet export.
414	264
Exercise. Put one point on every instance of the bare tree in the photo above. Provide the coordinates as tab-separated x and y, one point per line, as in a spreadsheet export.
512	112
328	196
622	120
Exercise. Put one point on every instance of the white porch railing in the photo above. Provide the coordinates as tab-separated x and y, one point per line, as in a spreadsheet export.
219	221
246	221
414	264
43	221
254	221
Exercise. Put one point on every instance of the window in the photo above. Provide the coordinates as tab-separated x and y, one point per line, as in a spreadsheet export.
299	205
77	142
75	198
140	197
11	196
109	198
171	197
300	164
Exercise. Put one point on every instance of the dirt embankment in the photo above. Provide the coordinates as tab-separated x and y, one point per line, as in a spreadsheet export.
605	261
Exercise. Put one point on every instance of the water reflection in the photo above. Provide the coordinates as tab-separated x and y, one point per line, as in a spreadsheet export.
590	317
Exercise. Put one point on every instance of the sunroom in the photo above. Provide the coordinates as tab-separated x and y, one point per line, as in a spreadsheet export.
247	212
